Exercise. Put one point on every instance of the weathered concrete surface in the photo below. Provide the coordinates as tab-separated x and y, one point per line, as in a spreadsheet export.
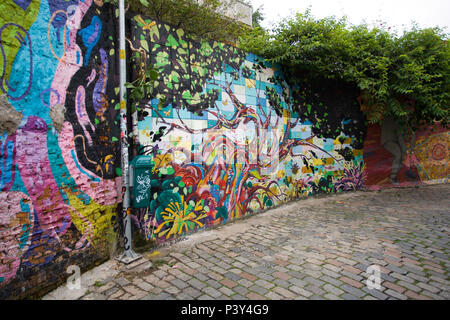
57	115
103	273
317	248
9	117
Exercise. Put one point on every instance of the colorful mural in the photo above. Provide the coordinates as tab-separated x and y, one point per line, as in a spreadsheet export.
229	138
425	159
59	149
225	143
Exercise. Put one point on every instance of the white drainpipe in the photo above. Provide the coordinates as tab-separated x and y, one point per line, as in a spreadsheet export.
129	255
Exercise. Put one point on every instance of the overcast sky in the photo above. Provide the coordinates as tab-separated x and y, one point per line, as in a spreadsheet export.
397	13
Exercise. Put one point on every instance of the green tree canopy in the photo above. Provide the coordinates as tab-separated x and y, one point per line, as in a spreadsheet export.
258	17
405	76
208	19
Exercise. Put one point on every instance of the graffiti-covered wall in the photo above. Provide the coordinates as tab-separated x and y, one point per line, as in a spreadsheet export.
225	143
59	139
424	157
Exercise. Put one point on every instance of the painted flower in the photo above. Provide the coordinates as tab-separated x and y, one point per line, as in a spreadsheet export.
353	178
181	217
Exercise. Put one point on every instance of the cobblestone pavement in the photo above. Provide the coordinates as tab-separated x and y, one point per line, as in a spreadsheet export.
318	248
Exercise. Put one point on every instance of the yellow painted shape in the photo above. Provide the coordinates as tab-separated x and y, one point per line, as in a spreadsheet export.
98	216
317	162
250	83
286	116
10	41
306	170
149	26
281	174
431	168
162	161
274	190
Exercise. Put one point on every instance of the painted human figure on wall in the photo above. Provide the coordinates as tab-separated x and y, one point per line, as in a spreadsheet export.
418	155
392	139
411	161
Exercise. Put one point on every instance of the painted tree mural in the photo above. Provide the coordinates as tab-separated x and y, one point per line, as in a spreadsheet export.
225	143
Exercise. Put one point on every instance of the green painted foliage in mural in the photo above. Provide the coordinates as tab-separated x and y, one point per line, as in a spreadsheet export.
11	14
184	64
